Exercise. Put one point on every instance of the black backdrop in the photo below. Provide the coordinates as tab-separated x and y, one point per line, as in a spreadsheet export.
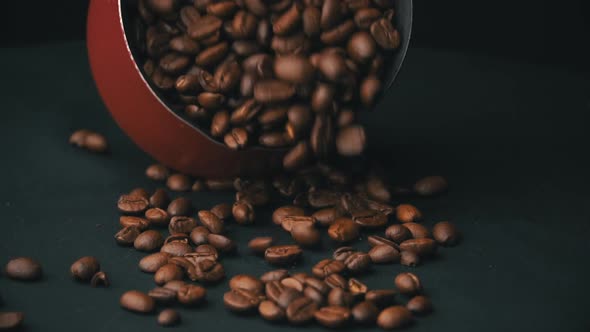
540	31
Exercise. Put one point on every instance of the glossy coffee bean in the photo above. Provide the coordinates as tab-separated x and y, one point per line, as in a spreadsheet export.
243	213
446	234
149	240
409	258
179	182
270	311
168	272
211	221
336	281
127	235
84	268
381	297
422	247
191	295
357	288
343	230
136	222
240	300
282	255
398	233
132	204
284	211
326	267
407	213
180	224
157	172
394	317
274	275
259	245
169	317
357	262
342	253
199	235
153	262
137	301
301	310
100	279
181	206
222	211
418	231
23	268
333	316
408	283
384	254
159	199
365	312
340	297
305	234
221	243
247	282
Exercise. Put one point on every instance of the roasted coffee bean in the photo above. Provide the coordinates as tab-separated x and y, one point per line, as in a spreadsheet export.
398	233
394	317
409	258
157	172
315	295
340	297
179	182
370	219
181	206
207	271
282	255
342	253
169	317
430	186
294	69
333	316
149	240
177	248
211	221
297	156
357	262
84	268
136	222
205	251
163	295
327	267
274	275
381	297
137	301
199	235
174	285
408	283
419	305
289	221
222	211
241	300
221	243
243	213
418	231
140	192
153	262
259	245
384	254
336	281
247	282
273	91
167	273
89	140
157	217
301	310
24	268
343	230
284	211
446	234
274	289
325	217
270	311
356	287
127	235
191	295
11	320
385	34
323	198
318	284
423	246
305	234
180	224
132	204
159	199
375	240
365	312
407	213
100	279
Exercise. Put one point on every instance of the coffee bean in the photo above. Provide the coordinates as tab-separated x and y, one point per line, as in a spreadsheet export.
100	279
297	156
149	240
221	243
340	297
407	213
375	240
180	224
394	317
326	267
174	285
343	230
167	273
381	297
157	217
153	262
191	295
326	217
274	289
159	199
135	222
342	253
127	235
418	231
446	234
409	258
181	206
384	254
333	316
89	140
294	69
11	320
177	248
289	221
356	287
282	255
140	192
259	245
179	182
84	268
169	317
274	275
357	262
431	186
398	233
199	235
24	268
271	311
240	300
305	234
137	301
369	218
365	312
423	246
211	221
247	282
243	213
163	295
293	283
301	310
336	281
222	211
408	283
132	204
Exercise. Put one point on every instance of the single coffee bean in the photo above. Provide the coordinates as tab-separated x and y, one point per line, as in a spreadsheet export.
157	217
181	206
336	281
297	156
381	297
273	91
11	320
211	221
305	234
361	47
375	240
274	275
446	234
137	301
289	221
174	285
357	262
136	222
222	211
243	213
132	204
247	282
333	316
340	297
205	251
191	295
325	217
418	231
423	247
167	273
394	317
149	240
384	254
84	268
342	253
169	317
408	283
259	245
127	235
241	300
343	230
159	199
419	305
407	213
430	186
142	192
270	311
294	69
315	295
24	268
177	248
180	224
100	279
199	235
327	267
163	295
221	243
274	290
409	258
179	182
365	312
282	255
177	237
398	233
356	287
301	310
153	262
293	283
370	219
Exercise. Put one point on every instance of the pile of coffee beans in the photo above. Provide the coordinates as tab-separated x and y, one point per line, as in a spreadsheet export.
278	74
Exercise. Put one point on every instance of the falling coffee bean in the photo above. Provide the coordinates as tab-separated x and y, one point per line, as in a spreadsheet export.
137	301
169	317
24	268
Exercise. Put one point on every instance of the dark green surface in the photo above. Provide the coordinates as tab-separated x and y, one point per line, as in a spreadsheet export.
511	137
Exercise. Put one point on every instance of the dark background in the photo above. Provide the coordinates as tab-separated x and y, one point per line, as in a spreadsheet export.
538	31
